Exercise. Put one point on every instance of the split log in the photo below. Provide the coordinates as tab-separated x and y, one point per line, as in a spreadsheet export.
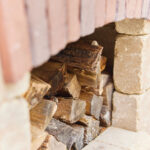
108	95
105	117
37	90
51	143
93	103
103	63
42	113
63	133
85	78
70	110
92	128
104	78
80	137
82	55
71	87
52	73
38	140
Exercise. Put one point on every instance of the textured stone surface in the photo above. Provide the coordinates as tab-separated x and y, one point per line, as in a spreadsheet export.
131	112
133	26
131	69
119	139
17	89
15	125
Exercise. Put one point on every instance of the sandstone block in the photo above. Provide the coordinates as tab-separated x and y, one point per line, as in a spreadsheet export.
120	139
15	125
131	112
131	72
133	26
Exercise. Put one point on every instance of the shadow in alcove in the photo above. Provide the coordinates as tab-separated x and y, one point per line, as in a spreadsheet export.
106	37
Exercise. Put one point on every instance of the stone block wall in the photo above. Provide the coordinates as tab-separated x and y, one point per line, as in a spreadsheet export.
131	100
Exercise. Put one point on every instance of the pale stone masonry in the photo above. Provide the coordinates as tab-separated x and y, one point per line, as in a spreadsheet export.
133	26
14	125
120	139
132	112
131	64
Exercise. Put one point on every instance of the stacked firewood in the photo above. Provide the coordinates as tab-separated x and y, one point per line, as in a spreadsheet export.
70	99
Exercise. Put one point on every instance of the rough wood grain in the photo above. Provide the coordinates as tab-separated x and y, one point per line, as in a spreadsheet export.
92	128
71	87
104	78
108	95
50	143
70	110
37	90
93	103
52	73
81	55
63	133
105	117
38	140
85	78
80	137
42	113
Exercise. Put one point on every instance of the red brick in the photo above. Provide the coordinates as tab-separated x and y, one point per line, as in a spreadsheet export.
14	39
73	19
57	13
38	23
130	8
138	10
87	17
100	13
110	11
120	10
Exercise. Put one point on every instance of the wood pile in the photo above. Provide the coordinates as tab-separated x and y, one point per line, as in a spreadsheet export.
70	99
